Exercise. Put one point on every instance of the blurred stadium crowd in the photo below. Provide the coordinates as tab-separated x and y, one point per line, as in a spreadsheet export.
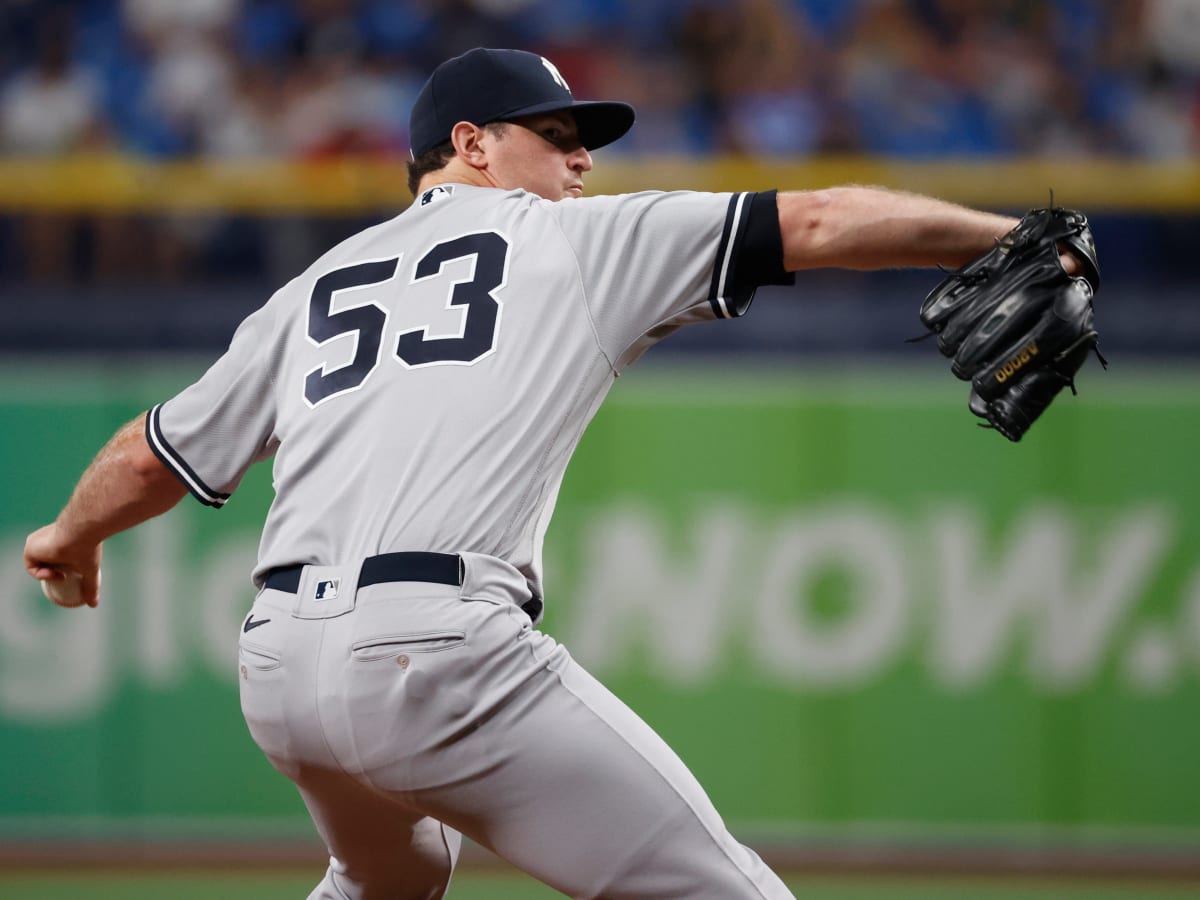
309	78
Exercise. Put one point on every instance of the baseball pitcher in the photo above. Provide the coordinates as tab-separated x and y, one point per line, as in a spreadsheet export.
419	391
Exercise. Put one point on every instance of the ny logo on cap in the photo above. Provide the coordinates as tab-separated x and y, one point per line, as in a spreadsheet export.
556	75
328	590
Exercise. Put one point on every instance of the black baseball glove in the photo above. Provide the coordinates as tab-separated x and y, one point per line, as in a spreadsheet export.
1015	324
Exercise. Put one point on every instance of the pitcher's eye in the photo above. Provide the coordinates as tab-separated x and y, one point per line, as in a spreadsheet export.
565	140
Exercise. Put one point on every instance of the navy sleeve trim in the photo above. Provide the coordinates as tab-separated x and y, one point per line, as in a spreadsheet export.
749	255
173	461
720	296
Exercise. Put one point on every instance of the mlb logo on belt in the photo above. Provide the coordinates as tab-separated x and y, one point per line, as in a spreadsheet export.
327	590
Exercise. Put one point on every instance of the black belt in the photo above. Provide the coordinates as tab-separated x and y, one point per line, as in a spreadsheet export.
436	568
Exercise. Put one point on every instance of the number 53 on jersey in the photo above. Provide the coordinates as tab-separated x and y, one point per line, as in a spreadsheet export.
414	348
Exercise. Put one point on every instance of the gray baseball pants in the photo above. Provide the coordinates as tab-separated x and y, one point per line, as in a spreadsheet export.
410	713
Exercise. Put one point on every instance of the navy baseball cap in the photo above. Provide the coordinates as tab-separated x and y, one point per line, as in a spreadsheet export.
484	86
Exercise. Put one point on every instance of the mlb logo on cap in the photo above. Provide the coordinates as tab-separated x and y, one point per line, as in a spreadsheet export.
484	86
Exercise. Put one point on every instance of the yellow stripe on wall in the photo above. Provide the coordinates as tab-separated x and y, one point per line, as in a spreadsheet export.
127	184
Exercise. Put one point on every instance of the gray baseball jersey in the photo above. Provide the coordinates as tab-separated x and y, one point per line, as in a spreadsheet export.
421	388
423	384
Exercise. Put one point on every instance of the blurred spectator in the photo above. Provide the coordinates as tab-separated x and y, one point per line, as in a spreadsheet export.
247	127
1160	118
189	83
907	87
158	20
53	106
1173	31
1012	67
766	79
670	118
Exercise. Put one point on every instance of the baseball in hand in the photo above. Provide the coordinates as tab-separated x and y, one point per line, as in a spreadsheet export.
66	591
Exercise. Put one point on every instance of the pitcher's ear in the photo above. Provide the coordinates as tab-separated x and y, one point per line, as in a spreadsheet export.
467	139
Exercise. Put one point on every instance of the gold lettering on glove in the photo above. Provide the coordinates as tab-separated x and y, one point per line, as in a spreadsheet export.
1026	353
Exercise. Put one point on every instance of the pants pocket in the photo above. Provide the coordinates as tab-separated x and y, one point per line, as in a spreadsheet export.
388	646
257	657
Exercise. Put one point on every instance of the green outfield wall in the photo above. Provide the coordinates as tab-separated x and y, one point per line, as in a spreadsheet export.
849	609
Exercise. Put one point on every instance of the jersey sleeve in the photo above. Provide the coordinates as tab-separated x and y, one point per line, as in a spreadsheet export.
211	432
652	262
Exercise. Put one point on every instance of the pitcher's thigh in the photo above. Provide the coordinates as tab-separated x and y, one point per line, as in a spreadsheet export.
589	799
379	848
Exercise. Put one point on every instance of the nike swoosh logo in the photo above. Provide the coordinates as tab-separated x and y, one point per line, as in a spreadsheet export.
250	623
